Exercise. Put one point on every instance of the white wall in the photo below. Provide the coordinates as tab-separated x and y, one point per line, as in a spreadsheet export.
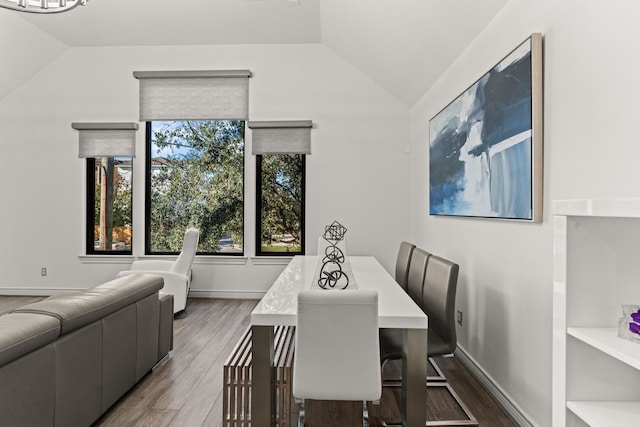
25	50
357	173
591	109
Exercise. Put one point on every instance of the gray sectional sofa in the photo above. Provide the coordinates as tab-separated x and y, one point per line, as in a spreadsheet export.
66	359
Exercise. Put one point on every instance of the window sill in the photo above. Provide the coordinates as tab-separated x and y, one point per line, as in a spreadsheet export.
201	259
106	259
128	259
222	260
271	260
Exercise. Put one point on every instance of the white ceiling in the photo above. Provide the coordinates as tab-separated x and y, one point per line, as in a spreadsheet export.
404	45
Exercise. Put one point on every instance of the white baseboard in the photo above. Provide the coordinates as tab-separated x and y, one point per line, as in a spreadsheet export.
514	411
195	293
33	292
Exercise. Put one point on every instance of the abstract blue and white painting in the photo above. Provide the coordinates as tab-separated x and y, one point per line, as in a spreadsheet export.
481	144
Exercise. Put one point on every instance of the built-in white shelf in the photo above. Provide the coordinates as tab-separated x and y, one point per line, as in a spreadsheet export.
628	207
607	414
607	341
596	269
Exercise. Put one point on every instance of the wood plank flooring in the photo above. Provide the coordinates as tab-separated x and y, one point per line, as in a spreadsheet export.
8	303
185	389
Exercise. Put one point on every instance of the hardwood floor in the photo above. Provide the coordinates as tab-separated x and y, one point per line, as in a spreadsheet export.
185	389
8	303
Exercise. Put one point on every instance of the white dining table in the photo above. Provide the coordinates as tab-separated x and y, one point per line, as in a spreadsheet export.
395	310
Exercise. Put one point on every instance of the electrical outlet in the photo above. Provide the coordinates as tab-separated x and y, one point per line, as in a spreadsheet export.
43	271
459	317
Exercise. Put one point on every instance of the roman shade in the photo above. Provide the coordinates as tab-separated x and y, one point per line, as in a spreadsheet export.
281	137
106	139
194	95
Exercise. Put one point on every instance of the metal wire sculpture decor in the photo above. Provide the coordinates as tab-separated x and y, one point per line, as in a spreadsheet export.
332	275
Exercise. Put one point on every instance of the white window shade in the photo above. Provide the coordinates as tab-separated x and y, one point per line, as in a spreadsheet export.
106	139
194	95
281	137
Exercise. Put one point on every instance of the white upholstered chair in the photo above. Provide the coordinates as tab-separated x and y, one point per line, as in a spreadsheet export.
337	348
176	274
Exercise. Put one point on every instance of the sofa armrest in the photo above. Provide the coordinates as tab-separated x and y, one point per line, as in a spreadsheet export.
23	333
166	275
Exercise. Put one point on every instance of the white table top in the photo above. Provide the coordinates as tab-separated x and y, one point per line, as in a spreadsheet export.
395	308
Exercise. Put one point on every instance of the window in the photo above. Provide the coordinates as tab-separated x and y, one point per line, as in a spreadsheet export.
109	205
280	204
195	177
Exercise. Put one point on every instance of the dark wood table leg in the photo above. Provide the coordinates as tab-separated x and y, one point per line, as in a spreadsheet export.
414	374
262	392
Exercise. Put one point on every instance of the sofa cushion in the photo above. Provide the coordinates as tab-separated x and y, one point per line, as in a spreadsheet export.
25	332
79	309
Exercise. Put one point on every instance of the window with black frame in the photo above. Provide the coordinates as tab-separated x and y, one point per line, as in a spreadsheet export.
109	205
195	177
194	158
280	196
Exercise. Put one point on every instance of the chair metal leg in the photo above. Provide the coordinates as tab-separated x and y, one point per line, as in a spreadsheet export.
397	382
365	414
440	375
469	421
301	414
393	382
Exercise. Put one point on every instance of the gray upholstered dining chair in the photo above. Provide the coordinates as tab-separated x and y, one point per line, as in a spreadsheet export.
403	261
415	284
415	277
437	300
337	348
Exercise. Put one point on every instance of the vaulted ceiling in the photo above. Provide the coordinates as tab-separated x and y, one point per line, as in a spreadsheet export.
403	45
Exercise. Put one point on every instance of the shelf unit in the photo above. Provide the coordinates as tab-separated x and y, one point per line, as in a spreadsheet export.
596	269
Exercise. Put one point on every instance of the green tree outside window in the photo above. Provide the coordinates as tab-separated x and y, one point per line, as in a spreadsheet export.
195	172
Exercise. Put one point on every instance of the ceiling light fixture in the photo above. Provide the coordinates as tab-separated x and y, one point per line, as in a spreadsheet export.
41	6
